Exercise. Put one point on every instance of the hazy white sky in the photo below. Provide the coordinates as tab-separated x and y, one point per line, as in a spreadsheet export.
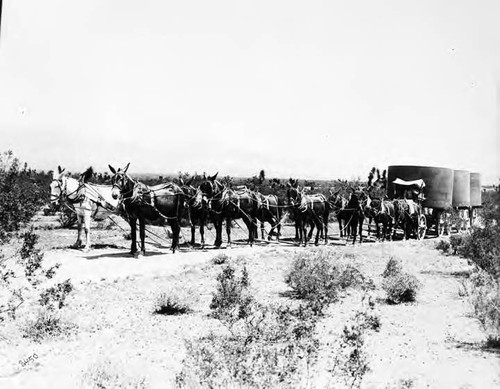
316	89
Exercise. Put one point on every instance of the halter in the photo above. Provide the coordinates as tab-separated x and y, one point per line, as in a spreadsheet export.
63	192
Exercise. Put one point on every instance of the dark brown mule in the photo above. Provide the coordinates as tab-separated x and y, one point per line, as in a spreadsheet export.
338	205
309	209
407	217
154	204
269	209
383	213
355	215
197	214
226	204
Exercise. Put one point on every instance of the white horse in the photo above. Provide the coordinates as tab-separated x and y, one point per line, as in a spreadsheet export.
86	198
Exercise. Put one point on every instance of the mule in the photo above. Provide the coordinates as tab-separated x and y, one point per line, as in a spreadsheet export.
197	214
309	209
355	215
269	209
227	204
153	204
338	205
85	198
383	213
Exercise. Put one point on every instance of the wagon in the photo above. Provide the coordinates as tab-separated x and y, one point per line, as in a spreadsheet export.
411	193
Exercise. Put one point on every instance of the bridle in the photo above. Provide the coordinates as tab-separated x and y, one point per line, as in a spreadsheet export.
62	185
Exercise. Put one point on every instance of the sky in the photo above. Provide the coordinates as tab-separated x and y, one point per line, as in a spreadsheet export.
316	89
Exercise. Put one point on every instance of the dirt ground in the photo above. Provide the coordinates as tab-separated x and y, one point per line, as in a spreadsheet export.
434	342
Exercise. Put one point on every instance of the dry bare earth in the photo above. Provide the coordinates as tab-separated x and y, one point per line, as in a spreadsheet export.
434	342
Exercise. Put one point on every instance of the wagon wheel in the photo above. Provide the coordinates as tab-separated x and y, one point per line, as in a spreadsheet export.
422	227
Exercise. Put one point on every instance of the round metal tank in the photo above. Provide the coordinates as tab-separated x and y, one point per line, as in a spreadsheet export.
438	190
475	190
461	189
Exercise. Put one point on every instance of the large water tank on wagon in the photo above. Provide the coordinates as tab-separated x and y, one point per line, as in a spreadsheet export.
461	189
438	190
475	190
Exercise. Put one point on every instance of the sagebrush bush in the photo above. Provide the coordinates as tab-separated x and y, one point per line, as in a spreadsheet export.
22	192
313	276
443	245
482	247
392	267
349	359
455	242
401	287
272	347
318	276
232	299
220	259
485	299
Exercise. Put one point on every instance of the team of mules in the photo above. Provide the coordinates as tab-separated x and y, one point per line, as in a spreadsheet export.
211	201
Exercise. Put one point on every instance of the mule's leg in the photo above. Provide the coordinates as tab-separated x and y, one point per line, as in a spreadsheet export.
339	219
176	230
325	226
360	224
133	235
228	231
202	233
86	220
79	224
142	234
218	231
193	230
319	231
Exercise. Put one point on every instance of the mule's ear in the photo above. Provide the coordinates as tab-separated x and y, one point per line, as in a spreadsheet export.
126	168
213	177
59	169
112	169
181	181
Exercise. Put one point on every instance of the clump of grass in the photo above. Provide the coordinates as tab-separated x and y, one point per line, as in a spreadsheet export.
106	375
172	302
46	324
220	259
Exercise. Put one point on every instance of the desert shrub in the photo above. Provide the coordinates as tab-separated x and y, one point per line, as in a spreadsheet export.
485	299
220	259
22	192
107	375
482	247
443	245
172	302
313	276
232	299
318	276
455	242
67	216
55	296
46	324
392	267
272	347
401	287
349	359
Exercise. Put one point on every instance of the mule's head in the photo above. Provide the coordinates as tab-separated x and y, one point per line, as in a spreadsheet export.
58	184
120	181
208	189
294	195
